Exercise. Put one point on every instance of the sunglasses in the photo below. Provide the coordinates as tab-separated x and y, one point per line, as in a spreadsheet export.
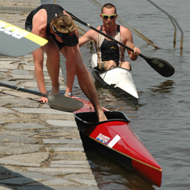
108	16
58	33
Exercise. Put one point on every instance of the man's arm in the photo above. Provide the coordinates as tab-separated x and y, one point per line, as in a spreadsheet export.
70	55
88	36
128	39
39	28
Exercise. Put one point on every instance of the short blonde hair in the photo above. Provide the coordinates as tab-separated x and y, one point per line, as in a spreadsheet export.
63	24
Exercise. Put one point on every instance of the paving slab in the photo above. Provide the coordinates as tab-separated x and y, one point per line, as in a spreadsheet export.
56	182
10	83
59	171
17	181
67	149
18	94
8	65
71	156
30	160
3	70
31	84
24	126
19	139
41	111
2	73
16	101
70	166
26	77
62	141
60	123
73	162
20	133
18	148
20	72
5	110
34	175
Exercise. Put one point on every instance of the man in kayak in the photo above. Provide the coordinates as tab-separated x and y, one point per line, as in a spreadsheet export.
51	21
109	53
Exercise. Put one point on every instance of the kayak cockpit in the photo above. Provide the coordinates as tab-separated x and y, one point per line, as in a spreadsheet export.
91	117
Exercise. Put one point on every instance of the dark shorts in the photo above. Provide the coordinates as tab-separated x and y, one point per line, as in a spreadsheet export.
59	44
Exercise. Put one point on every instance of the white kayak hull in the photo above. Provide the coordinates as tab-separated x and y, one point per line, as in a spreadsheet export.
116	78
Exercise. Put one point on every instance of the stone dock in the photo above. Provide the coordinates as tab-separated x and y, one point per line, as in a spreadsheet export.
40	148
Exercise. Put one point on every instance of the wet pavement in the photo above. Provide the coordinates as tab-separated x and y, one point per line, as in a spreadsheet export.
40	147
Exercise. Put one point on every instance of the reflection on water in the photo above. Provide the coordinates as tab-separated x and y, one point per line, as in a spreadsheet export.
115	92
110	176
164	87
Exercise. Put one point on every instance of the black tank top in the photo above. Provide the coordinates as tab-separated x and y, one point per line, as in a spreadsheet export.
110	50
52	11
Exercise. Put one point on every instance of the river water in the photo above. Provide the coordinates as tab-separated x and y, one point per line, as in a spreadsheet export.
162	117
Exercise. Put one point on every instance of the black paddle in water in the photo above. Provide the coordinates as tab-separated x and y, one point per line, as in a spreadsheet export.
18	42
55	101
160	65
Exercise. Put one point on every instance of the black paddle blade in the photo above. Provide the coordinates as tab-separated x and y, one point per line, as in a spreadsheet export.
161	66
56	101
63	103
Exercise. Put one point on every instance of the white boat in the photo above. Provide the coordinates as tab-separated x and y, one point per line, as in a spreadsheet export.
117	78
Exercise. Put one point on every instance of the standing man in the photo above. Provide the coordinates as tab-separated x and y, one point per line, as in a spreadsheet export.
51	21
110	54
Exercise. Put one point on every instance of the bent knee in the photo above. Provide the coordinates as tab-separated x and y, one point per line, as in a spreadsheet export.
111	62
111	65
126	65
106	65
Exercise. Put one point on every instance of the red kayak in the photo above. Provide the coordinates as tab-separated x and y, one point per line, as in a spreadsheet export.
116	140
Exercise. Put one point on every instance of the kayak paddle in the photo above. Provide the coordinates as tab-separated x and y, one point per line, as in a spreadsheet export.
18	42
161	66
55	101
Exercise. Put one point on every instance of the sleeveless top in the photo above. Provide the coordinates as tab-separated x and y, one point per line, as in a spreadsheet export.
52	11
110	50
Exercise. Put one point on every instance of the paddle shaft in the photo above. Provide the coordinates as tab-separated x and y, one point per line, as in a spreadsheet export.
56	101
160	65
23	90
91	27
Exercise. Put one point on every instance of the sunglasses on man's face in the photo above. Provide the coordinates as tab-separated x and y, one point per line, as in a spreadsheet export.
58	33
108	16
